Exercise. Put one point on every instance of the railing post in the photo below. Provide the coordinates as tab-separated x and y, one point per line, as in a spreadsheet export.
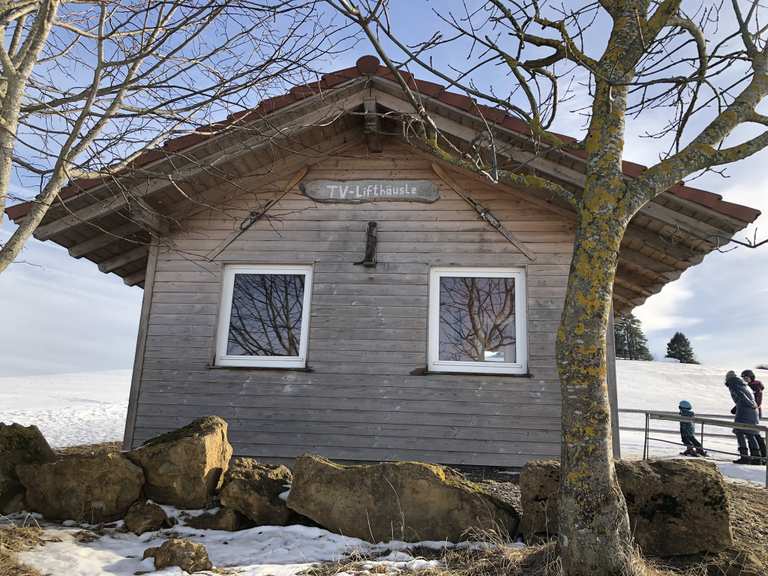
647	431
702	435
766	461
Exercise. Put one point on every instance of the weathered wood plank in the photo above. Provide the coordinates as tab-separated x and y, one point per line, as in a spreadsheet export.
338	414
369	404
244	378
142	338
222	397
525	432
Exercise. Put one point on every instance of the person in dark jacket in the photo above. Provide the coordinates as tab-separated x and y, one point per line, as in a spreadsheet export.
687	432
745	411
757	389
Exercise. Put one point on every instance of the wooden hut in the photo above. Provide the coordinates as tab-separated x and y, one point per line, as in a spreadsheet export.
325	286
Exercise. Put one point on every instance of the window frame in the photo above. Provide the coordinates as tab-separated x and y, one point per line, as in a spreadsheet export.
225	312
434	364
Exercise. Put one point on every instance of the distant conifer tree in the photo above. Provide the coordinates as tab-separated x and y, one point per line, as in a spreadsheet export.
679	347
631	343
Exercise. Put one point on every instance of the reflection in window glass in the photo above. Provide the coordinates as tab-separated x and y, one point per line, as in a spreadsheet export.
477	319
266	315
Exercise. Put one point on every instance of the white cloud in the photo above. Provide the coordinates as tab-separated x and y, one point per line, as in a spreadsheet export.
662	311
703	338
63	315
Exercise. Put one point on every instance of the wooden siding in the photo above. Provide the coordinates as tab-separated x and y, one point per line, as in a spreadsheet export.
363	398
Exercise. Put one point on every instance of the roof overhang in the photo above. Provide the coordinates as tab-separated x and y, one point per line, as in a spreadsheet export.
113	221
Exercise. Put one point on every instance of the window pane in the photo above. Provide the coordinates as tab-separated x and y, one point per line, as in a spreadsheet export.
266	315
477	319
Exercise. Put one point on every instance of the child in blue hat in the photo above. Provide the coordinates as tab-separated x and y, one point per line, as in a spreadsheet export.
687	432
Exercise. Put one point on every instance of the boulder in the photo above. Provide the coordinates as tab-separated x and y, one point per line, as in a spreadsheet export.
223	519
539	490
187	555
185	467
89	489
19	445
146	516
676	507
408	501
254	490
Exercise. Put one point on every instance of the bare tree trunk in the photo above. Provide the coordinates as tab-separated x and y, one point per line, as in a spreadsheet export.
595	537
594	527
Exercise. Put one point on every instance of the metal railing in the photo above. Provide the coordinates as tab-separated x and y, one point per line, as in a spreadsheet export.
715	420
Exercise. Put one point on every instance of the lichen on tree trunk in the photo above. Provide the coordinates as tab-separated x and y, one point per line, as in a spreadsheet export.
594	527
595	536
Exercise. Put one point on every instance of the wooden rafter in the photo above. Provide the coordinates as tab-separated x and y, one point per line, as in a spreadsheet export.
261	141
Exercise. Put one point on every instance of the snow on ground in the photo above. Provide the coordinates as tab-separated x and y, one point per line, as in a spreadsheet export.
262	551
69	409
660	386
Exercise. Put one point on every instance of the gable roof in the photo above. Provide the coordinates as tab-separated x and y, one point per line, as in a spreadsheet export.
370	66
94	219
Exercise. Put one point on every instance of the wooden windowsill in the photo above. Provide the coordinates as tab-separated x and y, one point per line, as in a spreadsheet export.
427	372
260	368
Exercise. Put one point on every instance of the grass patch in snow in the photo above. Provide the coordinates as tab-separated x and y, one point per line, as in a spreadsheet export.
15	539
491	559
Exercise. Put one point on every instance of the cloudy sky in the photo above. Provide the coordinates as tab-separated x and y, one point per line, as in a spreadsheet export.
62	315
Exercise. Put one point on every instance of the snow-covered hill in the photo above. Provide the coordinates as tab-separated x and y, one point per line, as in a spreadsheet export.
69	409
661	385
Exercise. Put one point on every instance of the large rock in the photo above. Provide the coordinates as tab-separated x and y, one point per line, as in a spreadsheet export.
90	489
19	445
145	516
223	519
254	490
408	501
676	507
539	489
187	555
184	468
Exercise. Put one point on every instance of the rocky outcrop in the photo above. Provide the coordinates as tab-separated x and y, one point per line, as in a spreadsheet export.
254	490
89	489
144	516
184	468
187	555
408	501
19	445
223	519
676	507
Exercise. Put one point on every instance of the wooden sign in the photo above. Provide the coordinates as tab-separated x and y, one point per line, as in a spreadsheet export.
358	191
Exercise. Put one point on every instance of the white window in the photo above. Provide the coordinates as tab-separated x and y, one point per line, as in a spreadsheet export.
264	316
477	320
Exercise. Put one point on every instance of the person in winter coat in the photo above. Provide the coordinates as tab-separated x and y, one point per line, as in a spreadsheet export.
687	432
745	410
757	389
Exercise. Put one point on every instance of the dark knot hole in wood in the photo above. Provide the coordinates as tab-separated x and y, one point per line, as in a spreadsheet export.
371	238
